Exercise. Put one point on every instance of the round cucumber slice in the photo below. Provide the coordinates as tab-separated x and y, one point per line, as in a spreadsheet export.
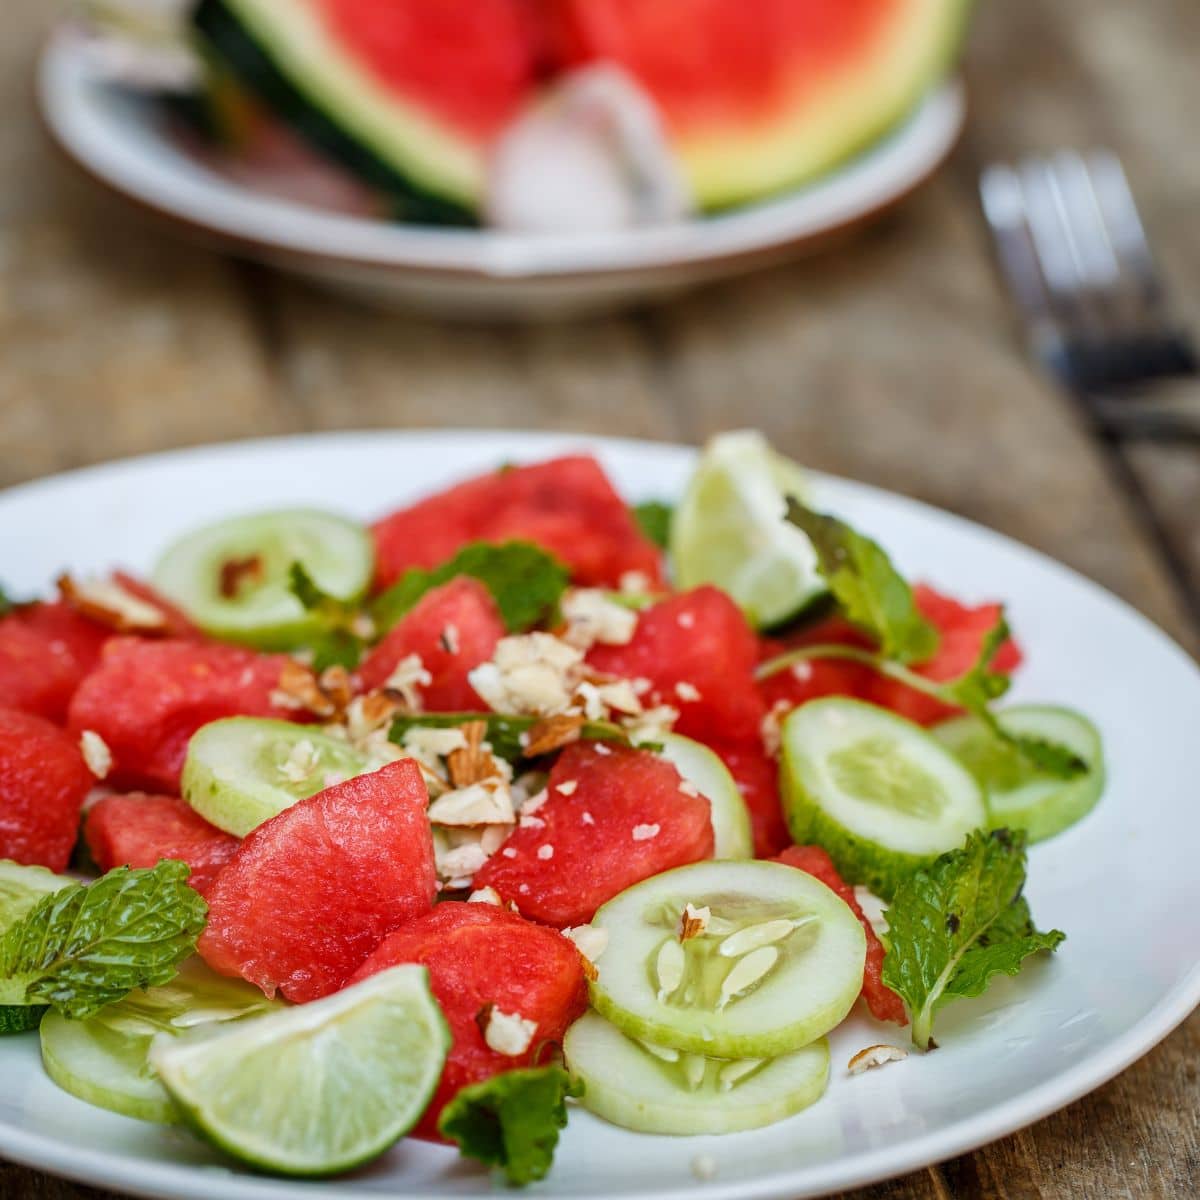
655	1089
730	530
105	1059
1018	795
319	1088
21	888
233	578
700	767
778	964
242	771
879	793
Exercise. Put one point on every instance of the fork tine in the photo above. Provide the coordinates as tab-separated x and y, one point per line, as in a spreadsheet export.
1092	251
1120	214
1050	237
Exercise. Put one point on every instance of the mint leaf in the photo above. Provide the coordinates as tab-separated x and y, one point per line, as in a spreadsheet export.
90	945
6	604
654	520
871	593
955	924
504	733
512	1120
525	581
337	644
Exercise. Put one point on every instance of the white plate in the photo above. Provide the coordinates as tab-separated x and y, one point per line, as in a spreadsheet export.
121	142
1122	883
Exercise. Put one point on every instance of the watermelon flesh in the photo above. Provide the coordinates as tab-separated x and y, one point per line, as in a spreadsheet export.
311	893
138	830
452	629
756	774
43	783
614	816
479	955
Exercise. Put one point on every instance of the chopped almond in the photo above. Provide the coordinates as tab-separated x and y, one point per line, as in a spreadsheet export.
472	763
875	1056
553	733
237	572
106	602
299	689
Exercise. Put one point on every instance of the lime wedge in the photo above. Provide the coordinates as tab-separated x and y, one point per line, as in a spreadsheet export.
730	530
316	1089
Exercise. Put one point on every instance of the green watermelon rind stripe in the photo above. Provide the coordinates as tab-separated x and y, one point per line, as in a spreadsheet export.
252	64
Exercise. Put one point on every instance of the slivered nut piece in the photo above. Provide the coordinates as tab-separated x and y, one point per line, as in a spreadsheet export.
506	1033
687	691
669	968
366	714
96	753
644	833
567	787
752	936
487	895
475	804
875	1056
472	763
693	1069
592	617
298	689
747	972
407	676
693	921
552	733
108	603
237	572
335	683
300	762
591	940
733	1073
665	1053
427	744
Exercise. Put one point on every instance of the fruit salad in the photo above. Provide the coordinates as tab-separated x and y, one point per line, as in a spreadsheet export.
519	801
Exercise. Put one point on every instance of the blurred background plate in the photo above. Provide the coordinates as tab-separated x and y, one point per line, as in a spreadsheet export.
125	143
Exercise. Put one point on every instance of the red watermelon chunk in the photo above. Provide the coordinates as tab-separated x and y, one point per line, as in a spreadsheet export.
757	777
452	630
699	655
43	782
311	893
138	830
45	652
884	1004
147	698
478	956
814	678
566	505
962	629
614	816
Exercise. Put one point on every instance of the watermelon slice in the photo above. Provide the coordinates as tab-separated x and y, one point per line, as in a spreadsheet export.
43	782
565	505
699	655
613	817
452	630
147	698
480	957
409	94
757	777
758	97
311	893
138	830
45	652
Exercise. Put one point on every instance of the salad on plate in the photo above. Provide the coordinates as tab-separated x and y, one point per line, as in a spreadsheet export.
519	799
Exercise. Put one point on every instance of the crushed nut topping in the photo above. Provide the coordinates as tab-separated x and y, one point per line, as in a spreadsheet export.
335	682
704	1167
366	714
771	729
475	804
457	861
408	675
875	1056
506	1033
652	724
108	603
643	833
237	572
591	940
567	787
96	753
687	691
688	788
300	762
633	583
487	895
300	689
552	733
592	617
534	673
693	921
686	620
588	819
473	762
546	852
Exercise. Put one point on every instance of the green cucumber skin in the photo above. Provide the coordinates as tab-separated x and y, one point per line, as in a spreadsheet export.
858	861
20	1018
251	64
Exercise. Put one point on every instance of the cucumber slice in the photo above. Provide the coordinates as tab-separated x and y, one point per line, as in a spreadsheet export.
319	1088
779	964
233	578
700	767
879	793
21	888
1019	796
242	771
105	1059
654	1089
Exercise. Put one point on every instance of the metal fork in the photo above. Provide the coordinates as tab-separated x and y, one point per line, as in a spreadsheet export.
1075	254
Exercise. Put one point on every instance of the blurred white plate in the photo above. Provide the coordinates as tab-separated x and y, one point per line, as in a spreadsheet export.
1122	883
122	142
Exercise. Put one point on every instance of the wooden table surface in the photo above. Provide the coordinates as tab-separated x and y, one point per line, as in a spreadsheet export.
893	361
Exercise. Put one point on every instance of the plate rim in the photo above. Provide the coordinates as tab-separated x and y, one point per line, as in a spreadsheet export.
492	257
138	1177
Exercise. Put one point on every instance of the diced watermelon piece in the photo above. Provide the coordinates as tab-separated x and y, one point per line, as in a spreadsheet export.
311	893
147	698
566	505
479	955
138	830
884	1004
699	655
962	629
45	652
452	630
812	679
43	782
756	774
614	816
